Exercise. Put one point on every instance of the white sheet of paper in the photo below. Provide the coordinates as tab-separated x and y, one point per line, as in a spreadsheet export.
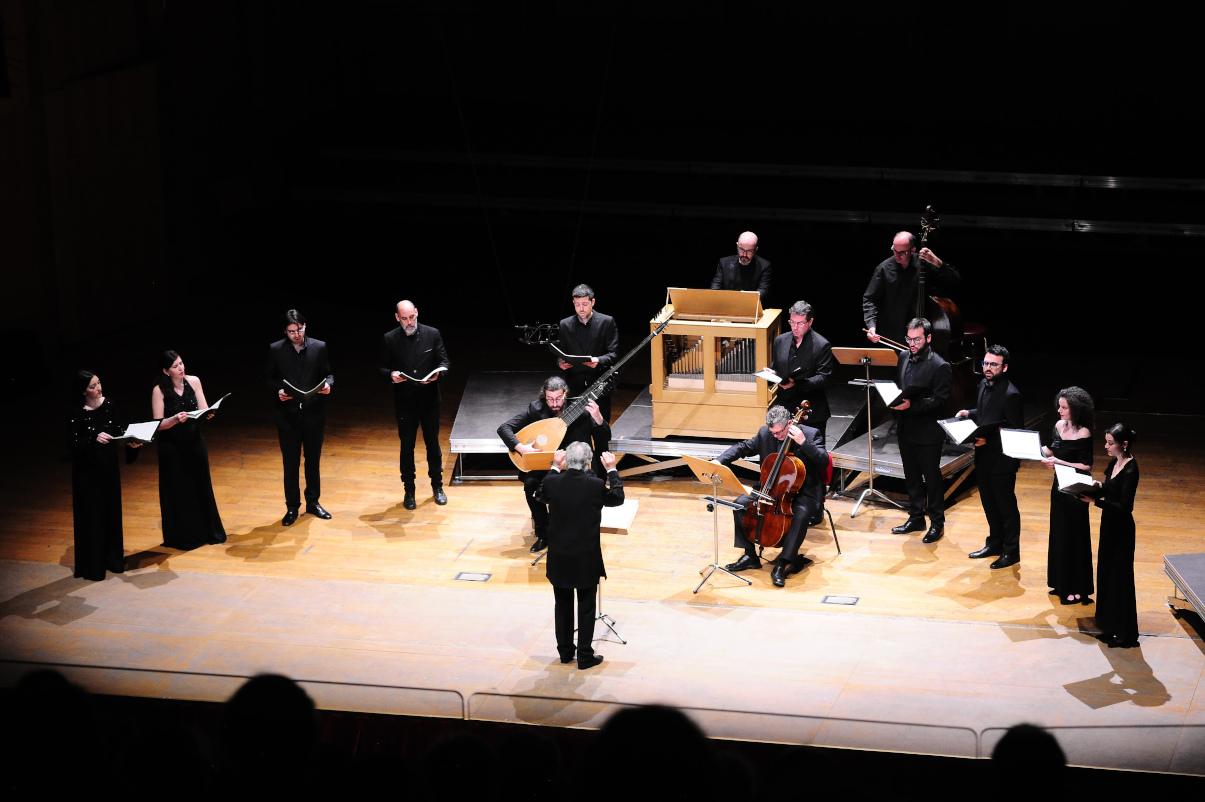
888	391
440	369
1021	443
769	375
1067	477
142	432
959	429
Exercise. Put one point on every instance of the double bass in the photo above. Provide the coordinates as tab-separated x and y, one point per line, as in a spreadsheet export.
946	318
768	516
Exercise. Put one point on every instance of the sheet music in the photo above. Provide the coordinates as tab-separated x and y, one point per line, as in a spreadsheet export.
439	369
196	413
138	432
769	375
1072	481
1021	444
959	429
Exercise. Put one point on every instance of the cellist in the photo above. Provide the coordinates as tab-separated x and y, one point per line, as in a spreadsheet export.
765	444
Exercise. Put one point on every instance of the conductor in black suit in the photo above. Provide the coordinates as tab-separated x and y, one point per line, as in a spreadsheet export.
588	333
804	359
590	427
997	404
744	271
416	349
924	375
815	459
575	498
300	422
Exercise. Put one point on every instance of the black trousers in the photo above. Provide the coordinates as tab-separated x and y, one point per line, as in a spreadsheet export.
586	606
803	508
299	433
423	415
535	503
922	477
998	493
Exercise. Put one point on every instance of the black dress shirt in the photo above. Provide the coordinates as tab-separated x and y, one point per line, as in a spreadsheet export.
890	298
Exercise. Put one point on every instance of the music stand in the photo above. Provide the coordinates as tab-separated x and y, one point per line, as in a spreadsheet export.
718	476
879	357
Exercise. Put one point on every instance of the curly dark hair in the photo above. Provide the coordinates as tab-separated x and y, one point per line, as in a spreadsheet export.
1083	409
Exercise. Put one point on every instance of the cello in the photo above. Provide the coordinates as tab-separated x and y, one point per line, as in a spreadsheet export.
768	516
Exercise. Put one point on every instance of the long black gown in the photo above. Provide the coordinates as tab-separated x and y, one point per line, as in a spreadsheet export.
1116	605
186	503
96	493
1069	557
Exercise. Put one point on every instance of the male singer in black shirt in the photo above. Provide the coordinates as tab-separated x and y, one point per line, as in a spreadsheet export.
803	358
415	349
588	333
744	271
890	297
997	404
300	421
926	377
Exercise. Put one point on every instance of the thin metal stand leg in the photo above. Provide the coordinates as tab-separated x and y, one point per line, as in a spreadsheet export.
605	619
870	493
715	530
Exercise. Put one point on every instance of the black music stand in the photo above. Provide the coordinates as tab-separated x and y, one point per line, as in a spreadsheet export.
879	357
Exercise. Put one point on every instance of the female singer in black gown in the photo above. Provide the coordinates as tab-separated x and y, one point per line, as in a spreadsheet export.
95	481
1069	555
186	503
1116	605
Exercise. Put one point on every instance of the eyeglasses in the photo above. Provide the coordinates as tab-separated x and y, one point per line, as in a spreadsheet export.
901	253
298	330
746	251
987	364
914	340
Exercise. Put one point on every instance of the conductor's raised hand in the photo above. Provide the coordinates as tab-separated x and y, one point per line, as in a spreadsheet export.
558	459
608	460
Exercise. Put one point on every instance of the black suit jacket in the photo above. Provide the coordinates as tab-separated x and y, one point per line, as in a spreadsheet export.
763	444
600	338
428	353
728	276
304	370
918	424
996	407
575	501
814	364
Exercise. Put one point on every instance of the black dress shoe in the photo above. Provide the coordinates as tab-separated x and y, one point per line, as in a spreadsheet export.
290	518
987	551
441	498
910	525
798	564
589	662
745	563
539	545
779	575
1006	560
933	535
318	511
566	660
408	502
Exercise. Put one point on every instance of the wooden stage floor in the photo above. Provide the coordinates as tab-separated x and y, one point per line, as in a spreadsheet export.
938	654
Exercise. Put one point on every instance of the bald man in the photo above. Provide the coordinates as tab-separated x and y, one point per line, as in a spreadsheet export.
744	271
408	354
890	298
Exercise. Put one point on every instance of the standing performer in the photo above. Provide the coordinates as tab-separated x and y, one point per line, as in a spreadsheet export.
575	500
998	405
186	502
95	480
587	428
592	334
927	376
302	362
804	359
890	297
1069	555
416	349
744	271
815	459
1116	605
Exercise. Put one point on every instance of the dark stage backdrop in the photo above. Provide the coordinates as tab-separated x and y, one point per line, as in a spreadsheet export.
185	171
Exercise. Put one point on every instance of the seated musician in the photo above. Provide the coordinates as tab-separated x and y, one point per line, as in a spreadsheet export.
766	444
591	428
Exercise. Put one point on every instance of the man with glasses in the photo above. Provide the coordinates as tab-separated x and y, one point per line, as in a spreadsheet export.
296	365
997	405
925	380
745	271
414	350
890	298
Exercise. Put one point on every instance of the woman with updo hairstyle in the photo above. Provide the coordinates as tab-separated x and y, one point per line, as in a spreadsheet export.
186	504
1116	604
95	480
1069	554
